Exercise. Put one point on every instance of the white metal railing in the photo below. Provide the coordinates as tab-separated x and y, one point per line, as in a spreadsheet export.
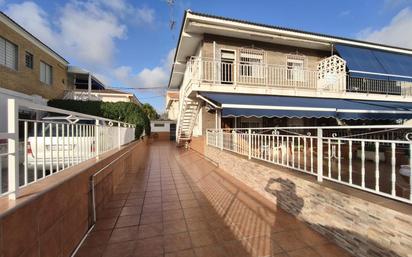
36	149
216	71
81	95
219	72
360	159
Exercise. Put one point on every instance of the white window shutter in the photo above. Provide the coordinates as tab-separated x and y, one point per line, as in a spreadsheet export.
2	51
11	55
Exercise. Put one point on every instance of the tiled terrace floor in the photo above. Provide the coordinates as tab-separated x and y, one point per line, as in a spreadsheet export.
181	206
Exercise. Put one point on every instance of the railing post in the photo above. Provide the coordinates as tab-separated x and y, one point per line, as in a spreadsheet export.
221	139
13	148
118	134
249	143
234	73
97	135
320	154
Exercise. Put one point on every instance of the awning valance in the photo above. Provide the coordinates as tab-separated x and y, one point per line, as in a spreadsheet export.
376	64
306	107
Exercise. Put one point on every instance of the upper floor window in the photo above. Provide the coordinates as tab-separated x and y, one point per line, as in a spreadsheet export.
8	54
295	66
251	62
46	73
29	60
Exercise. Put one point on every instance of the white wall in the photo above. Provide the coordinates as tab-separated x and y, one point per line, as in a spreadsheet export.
164	128
173	111
197	129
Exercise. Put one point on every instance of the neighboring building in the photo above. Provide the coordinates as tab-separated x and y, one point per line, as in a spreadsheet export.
86	86
234	73
27	65
29	70
163	129
104	95
32	70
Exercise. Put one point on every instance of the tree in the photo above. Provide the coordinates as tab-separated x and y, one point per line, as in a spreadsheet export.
150	111
122	111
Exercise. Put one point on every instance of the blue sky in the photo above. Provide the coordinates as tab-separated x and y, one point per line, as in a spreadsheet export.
129	44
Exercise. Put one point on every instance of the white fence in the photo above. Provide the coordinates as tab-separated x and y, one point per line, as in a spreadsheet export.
359	158
32	150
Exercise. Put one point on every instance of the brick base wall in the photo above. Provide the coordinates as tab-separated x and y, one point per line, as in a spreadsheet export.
53	215
350	217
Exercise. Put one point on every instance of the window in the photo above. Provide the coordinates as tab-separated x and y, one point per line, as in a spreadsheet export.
295	66
8	54
46	75
227	66
29	60
251	62
159	125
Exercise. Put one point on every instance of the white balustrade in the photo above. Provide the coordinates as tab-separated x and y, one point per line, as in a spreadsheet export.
359	158
47	146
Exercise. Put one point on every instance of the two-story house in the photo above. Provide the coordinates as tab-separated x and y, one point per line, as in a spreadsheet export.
234	73
29	69
27	65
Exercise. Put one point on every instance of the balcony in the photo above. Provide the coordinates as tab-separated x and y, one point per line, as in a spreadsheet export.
327	81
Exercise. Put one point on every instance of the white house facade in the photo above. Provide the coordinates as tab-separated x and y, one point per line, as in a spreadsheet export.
238	74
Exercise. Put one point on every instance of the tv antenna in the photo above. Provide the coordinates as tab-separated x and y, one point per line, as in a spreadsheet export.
172	21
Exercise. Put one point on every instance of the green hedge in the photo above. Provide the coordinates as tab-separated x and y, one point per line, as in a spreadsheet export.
126	112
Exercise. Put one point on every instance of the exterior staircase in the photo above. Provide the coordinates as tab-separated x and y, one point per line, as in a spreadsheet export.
187	119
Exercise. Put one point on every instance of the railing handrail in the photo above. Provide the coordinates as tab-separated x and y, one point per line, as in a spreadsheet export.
57	147
322	127
337	159
196	58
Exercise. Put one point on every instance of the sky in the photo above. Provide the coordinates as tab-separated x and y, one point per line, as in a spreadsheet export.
129	44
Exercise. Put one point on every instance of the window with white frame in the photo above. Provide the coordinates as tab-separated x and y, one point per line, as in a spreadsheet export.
251	62
46	73
8	54
295	65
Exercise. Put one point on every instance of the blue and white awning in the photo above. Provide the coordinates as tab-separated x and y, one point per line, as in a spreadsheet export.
376	64
235	105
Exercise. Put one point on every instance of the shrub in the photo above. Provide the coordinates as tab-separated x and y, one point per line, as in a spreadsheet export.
121	111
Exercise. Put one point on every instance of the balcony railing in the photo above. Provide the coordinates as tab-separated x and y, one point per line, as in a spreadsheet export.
32	150
375	159
221	72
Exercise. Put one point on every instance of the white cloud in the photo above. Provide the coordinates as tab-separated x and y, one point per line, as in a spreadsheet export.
148	77
397	32
141	16
116	5
89	33
144	15
394	4
34	19
344	13
83	30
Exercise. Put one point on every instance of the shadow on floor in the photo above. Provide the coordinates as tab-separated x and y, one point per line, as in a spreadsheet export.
183	205
288	200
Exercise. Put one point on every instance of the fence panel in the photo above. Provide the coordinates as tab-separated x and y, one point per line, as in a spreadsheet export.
32	150
375	159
